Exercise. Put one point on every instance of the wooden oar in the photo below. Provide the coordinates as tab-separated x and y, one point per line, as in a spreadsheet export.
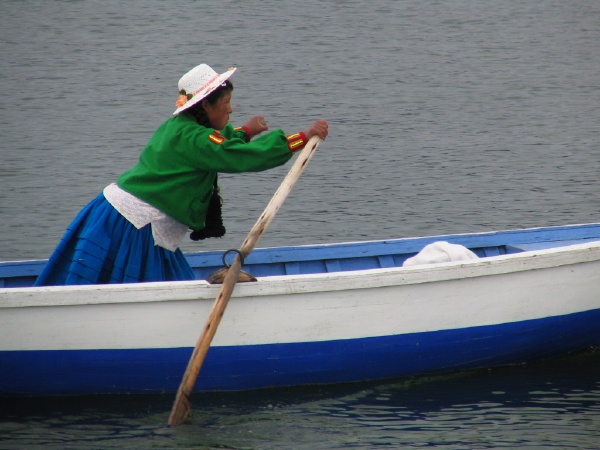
181	406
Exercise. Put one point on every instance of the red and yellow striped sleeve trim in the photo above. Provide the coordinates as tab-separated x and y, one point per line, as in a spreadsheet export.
216	137
296	141
245	129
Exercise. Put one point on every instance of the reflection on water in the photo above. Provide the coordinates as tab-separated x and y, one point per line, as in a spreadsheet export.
551	404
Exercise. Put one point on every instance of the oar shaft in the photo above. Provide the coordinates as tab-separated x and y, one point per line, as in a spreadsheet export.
181	406
279	197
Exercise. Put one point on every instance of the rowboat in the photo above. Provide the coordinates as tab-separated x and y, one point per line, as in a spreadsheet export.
316	314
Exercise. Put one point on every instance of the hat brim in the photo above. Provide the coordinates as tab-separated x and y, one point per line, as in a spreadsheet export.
206	90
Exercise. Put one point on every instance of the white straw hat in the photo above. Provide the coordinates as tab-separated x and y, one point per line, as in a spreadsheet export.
197	84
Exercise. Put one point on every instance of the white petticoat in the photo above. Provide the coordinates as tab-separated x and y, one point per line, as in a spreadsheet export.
167	232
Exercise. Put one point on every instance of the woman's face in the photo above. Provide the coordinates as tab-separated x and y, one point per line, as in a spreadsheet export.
218	114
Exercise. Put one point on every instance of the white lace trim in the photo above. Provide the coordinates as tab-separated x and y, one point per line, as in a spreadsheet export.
167	232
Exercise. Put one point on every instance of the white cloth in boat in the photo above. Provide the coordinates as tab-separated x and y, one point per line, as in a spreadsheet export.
166	231
439	252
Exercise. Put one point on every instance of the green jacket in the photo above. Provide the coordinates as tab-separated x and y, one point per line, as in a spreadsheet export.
178	166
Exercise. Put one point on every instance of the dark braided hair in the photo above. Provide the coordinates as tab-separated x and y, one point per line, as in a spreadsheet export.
213	224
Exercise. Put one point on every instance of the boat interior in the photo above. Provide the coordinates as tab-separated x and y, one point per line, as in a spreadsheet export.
327	258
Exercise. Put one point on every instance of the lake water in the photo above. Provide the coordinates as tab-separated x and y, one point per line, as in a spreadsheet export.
445	116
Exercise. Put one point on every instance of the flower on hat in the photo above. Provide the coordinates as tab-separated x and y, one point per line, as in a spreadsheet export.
182	99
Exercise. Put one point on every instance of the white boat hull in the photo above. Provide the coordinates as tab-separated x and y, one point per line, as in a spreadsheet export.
304	329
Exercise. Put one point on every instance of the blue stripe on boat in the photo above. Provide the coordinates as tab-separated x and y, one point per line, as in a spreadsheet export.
259	366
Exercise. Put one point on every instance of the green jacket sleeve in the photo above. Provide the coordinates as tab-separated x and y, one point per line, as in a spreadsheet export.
228	151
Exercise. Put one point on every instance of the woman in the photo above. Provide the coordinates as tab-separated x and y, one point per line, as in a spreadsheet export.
132	231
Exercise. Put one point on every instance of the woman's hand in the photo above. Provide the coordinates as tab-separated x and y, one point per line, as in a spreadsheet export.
256	125
317	128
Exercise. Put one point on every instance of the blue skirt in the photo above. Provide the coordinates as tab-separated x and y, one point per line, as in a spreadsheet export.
101	246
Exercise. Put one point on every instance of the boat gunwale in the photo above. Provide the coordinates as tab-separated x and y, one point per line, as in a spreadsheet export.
78	295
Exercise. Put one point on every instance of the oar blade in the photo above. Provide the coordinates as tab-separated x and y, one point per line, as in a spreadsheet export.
181	409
